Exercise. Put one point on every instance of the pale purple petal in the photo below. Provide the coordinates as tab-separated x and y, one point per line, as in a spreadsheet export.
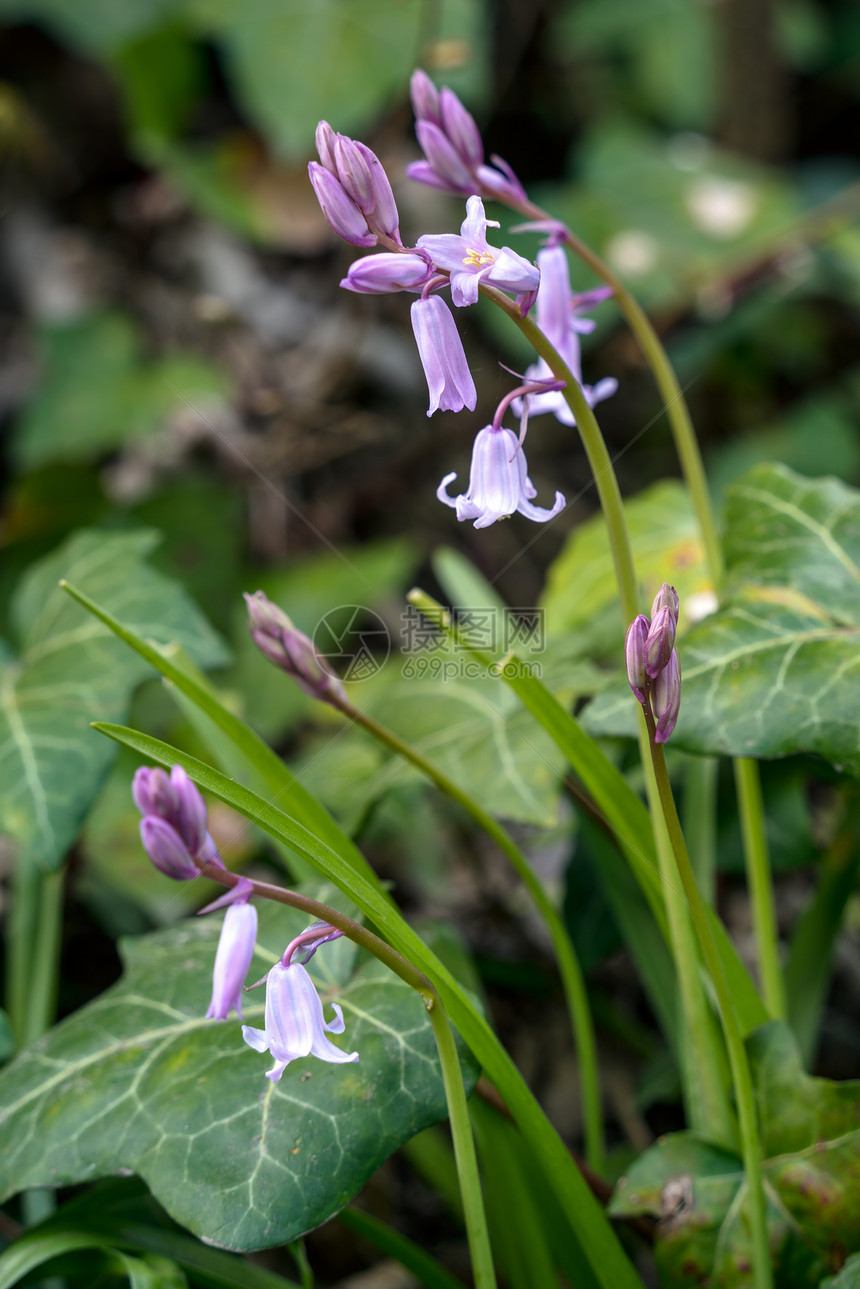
443	157
232	960
442	356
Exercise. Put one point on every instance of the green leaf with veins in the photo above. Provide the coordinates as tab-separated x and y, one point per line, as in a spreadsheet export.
69	671
140	1080
811	1144
775	671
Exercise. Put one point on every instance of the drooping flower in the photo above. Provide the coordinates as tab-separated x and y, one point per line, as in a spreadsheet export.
558	314
498	482
442	357
276	636
452	147
294	1022
470	260
232	959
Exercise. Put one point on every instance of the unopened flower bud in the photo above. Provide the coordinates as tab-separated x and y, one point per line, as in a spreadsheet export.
340	211
174	800
459	125
385	272
660	641
282	643
634	654
425	97
666	598
166	849
325	139
666	699
445	162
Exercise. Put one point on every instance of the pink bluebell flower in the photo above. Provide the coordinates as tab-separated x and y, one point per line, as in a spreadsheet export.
452	147
470	260
232	959
442	357
558	316
294	1024
498	482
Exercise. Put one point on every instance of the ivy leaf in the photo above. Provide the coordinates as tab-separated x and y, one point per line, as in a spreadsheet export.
774	672
69	671
811	1144
139	1080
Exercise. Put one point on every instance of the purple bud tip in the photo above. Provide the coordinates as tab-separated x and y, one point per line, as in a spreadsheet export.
634	654
660	641
282	643
666	598
666	699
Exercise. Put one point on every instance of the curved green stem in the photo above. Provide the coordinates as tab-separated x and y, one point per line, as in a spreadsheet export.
741	1076
568	963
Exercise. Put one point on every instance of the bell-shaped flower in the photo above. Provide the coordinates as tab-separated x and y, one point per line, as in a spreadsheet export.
442	357
557	316
498	482
232	959
294	1022
470	260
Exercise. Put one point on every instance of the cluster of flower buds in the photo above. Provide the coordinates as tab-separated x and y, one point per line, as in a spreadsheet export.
452	147
652	661
353	190
174	832
290	649
173	827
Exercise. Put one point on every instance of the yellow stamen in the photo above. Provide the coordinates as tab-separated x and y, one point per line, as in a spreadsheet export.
476	258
